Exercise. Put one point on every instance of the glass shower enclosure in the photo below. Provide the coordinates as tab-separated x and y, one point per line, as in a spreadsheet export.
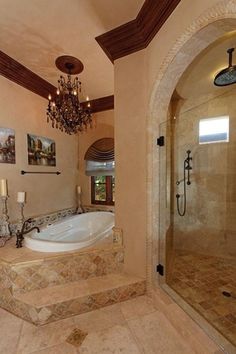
197	211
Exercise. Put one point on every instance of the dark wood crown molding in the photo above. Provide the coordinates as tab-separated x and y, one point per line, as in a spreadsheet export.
138	33
18	73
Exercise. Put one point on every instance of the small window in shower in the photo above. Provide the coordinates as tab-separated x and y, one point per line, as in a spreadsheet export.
214	130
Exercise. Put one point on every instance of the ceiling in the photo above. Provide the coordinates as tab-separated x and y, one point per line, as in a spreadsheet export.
198	79
36	32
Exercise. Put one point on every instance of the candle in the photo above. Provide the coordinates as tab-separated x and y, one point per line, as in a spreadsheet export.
20	197
78	189
3	188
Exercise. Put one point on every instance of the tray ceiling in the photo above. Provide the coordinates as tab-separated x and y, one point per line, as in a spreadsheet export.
36	32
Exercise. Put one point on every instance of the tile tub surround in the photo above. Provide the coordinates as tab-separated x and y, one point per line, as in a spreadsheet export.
200	280
28	270
42	287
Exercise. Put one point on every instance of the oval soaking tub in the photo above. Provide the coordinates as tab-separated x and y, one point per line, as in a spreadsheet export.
72	233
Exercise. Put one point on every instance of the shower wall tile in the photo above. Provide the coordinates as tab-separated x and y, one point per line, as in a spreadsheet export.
209	222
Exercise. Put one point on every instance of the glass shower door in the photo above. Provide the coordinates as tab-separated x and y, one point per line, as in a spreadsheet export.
197	239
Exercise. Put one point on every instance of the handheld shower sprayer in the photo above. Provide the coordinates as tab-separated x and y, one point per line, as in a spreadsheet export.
188	168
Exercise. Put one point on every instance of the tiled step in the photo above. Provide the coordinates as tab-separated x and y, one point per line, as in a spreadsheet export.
64	268
62	301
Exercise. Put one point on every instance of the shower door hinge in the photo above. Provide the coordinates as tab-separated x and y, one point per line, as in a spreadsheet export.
160	269
161	141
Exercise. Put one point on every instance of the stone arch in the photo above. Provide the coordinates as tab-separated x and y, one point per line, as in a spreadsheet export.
213	24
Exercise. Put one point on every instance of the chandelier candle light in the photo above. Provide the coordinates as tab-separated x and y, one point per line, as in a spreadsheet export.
64	108
4	224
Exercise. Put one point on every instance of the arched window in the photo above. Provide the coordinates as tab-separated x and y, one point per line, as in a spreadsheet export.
100	165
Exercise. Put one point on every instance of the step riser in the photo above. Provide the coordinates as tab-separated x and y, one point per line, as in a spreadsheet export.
63	269
42	315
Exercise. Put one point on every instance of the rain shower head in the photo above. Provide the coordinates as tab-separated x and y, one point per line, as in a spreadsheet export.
227	76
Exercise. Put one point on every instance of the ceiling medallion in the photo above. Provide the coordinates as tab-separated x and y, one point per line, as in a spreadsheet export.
64	108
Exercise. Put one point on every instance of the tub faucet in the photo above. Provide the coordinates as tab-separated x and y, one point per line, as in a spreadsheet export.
20	234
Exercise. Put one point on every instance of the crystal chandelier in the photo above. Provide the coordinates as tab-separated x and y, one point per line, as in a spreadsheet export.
64	108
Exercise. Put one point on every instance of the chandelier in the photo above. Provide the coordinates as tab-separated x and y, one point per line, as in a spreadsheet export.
64	108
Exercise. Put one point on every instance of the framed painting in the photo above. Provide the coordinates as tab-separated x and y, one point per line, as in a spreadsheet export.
7	146
41	151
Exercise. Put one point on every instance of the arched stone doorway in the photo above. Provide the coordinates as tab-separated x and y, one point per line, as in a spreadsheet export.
213	24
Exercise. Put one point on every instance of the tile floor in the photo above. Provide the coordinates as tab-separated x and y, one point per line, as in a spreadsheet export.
142	325
200	280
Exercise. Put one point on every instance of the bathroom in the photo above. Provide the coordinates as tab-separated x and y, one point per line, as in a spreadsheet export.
132	300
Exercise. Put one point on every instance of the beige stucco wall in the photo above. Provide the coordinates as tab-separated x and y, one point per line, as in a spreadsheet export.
103	127
141	103
130	155
25	112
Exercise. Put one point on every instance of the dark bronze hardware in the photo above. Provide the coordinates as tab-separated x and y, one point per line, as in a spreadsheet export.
160	269
20	234
161	141
42	173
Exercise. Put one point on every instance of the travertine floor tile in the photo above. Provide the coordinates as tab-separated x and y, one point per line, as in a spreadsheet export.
10	328
37	338
100	319
146	330
156	335
137	307
63	348
187	329
117	339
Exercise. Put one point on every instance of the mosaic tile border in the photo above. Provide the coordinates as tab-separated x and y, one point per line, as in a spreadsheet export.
42	220
52	217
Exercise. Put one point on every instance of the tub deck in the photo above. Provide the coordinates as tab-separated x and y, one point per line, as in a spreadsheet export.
10	254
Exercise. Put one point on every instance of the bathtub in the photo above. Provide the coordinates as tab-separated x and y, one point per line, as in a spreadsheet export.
72	233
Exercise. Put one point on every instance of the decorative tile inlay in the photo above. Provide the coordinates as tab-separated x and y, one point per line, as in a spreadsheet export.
42	220
45	219
77	337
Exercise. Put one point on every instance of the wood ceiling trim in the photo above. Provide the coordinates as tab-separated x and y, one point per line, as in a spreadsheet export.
18	73
101	104
137	34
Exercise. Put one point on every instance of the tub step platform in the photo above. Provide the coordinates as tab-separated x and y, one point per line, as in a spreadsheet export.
61	301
